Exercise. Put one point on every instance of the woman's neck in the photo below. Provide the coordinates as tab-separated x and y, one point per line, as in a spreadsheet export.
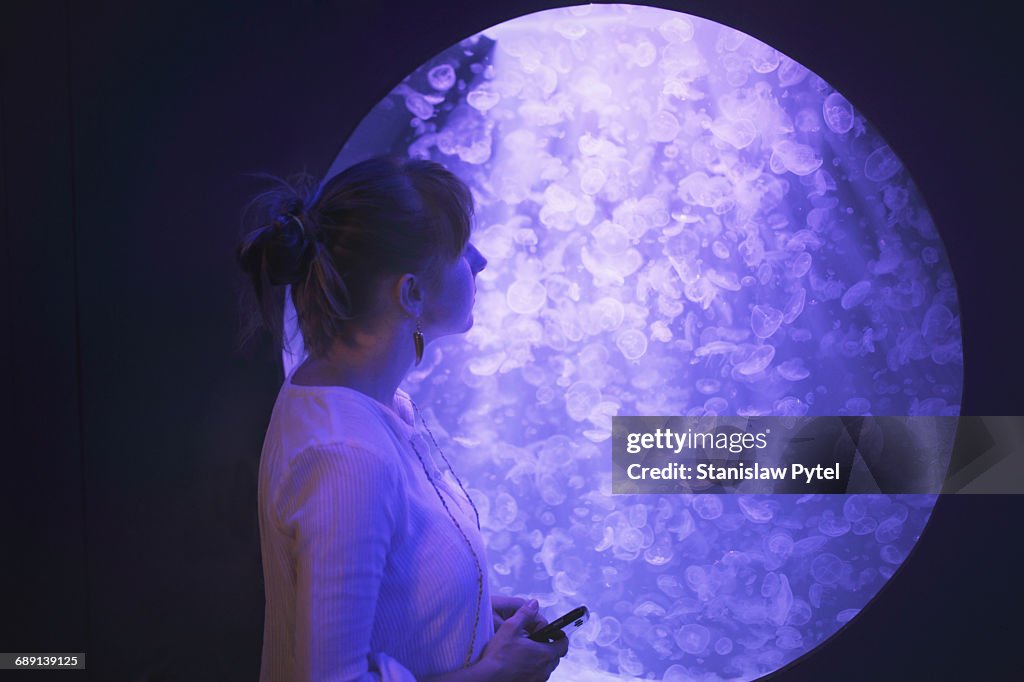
373	364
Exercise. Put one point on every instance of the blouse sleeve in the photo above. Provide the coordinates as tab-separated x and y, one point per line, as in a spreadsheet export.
339	502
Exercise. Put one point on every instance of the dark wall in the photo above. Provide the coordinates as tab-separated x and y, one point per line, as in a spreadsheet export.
128	128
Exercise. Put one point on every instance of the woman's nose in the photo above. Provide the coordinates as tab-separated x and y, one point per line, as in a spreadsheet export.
478	261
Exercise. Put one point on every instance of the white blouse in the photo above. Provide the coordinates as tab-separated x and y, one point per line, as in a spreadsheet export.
366	577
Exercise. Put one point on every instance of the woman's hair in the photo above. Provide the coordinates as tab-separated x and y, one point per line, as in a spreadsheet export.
383	216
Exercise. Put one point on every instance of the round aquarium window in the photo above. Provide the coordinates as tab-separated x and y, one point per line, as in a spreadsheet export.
679	220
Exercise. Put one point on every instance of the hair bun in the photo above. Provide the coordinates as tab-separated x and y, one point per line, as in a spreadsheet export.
287	250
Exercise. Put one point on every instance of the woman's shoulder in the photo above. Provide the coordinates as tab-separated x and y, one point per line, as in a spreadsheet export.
305	419
404	408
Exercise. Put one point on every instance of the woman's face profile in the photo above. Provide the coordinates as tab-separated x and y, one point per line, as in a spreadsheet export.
452	308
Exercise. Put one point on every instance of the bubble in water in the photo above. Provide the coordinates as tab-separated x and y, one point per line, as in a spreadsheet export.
788	638
483	99
441	77
708	386
764	58
864	526
895	198
758	511
881	164
571	29
608	313
739	133
795	305
592	180
856	294
505	509
631	539
833	526
676	673
855	508
759	359
801	265
809	545
827	568
693	638
798	159
686	525
707	506
807	121
846	615
487	364
716	405
677	30
780	603
888	530
780	544
793	370
580	399
857	405
663	127
765	320
800	614
937	321
557	198
659	554
838	113
790	406
418	106
611	238
629	662
610	629
631	343
891	554
791	72
724	280
670	585
716	348
563	584
526	296
476	153
637	515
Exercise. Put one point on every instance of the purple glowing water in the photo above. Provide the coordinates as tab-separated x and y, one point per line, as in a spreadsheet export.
678	219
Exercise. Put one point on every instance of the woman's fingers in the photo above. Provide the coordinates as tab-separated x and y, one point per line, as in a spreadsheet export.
518	621
555	650
561	644
537	623
506	606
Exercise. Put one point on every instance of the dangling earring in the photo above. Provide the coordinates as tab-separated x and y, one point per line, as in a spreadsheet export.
417	339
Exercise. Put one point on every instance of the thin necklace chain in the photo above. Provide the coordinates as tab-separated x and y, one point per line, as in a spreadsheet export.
424	422
476	559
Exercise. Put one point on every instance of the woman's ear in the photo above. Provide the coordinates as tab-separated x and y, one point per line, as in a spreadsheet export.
411	294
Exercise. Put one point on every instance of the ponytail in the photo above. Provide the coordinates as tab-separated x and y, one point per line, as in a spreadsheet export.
383	216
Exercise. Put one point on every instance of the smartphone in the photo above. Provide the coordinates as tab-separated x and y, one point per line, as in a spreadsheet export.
573	620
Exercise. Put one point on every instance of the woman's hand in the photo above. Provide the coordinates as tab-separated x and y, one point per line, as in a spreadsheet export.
503	607
513	657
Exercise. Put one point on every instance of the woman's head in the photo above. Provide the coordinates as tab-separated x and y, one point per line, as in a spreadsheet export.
383	237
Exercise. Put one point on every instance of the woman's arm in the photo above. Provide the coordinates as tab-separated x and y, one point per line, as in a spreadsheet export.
483	670
339	502
511	656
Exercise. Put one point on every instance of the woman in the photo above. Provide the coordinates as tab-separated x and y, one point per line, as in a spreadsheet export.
374	566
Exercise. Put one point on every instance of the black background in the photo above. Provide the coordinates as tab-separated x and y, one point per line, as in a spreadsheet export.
129	485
